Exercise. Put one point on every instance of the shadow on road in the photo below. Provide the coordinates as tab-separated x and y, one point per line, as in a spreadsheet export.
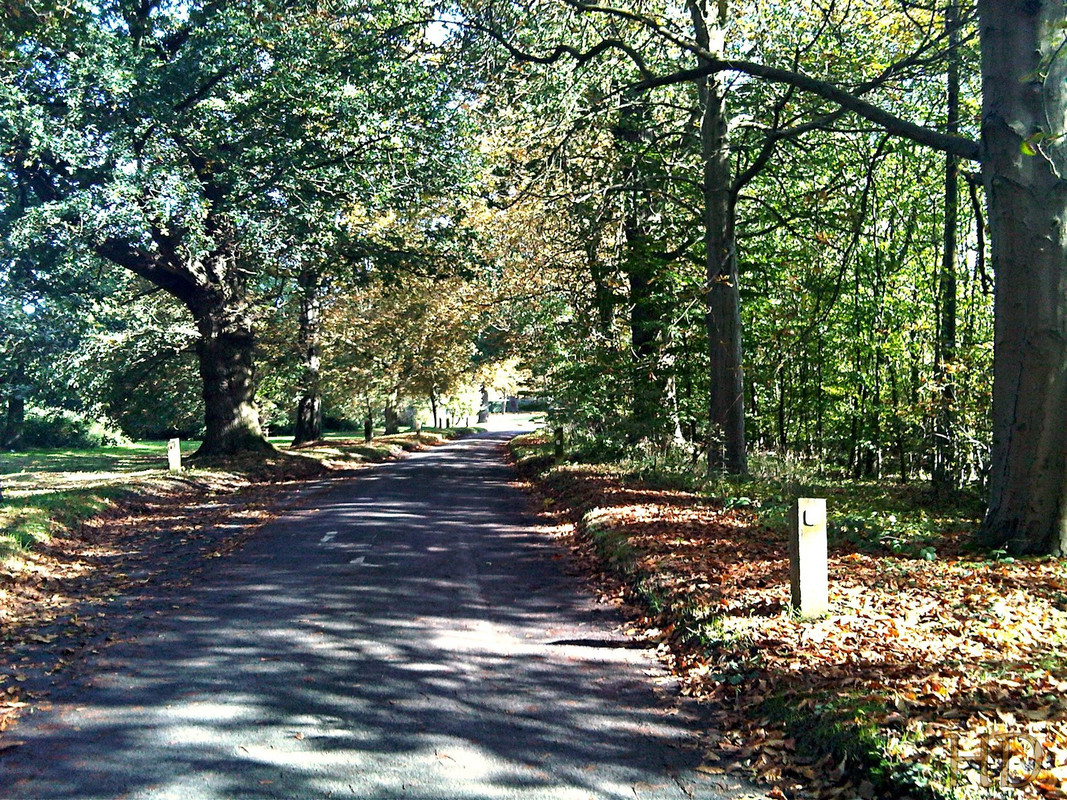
409	636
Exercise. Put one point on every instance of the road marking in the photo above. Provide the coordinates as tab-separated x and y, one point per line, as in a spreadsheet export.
329	535
359	560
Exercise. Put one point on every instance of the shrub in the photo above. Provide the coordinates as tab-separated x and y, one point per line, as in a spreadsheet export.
56	427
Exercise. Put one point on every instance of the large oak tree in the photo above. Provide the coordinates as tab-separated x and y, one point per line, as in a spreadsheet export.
168	138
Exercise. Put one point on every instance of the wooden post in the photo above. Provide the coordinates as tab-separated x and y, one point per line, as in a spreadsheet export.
559	442
808	578
174	455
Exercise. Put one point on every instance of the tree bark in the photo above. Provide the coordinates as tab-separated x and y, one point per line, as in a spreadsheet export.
309	410
392	415
641	267
1023	98
727	448
226	354
944	471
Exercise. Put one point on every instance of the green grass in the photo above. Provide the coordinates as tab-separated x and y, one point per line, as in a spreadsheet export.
26	521
873	516
126	458
47	491
841	726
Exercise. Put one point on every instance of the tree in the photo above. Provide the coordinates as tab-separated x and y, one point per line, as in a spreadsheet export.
166	139
1021	150
1024	158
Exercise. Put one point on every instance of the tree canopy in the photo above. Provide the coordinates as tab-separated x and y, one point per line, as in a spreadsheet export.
713	231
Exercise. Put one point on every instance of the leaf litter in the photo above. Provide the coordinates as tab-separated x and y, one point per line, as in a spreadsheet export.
928	678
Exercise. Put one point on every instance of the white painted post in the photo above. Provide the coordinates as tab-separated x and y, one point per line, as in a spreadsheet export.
174	455
808	579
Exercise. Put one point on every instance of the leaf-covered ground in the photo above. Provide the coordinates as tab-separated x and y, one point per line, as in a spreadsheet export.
85	535
930	668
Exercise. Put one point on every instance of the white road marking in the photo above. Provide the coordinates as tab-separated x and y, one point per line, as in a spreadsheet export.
329	535
359	560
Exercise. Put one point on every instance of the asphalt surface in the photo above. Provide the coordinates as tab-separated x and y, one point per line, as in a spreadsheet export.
404	634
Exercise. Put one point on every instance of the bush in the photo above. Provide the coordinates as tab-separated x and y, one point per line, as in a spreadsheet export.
56	427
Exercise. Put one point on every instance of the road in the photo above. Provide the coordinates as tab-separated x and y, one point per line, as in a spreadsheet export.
406	633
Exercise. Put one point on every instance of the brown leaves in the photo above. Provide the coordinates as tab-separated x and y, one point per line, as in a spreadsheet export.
53	604
919	651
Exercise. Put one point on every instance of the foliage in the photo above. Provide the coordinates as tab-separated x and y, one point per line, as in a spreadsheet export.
55	427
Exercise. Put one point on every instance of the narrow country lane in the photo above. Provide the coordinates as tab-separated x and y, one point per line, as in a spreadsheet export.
406	635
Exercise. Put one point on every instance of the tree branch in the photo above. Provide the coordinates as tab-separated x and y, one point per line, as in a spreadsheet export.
955	145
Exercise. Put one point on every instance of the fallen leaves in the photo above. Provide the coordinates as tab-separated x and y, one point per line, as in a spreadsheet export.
917	652
57	599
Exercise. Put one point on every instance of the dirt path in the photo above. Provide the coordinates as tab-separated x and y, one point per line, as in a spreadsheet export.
405	634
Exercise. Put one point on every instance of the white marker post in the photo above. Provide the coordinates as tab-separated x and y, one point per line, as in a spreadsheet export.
809	582
174	455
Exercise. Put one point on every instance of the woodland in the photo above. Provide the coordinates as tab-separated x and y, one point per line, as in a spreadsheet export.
710	235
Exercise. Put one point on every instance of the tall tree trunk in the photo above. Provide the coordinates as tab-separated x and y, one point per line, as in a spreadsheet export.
483	404
1025	95
641	267
727	449
226	355
309	410
15	419
944	471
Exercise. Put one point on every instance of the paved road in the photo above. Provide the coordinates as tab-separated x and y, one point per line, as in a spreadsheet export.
405	635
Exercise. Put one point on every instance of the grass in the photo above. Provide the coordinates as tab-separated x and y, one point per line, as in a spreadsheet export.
26	521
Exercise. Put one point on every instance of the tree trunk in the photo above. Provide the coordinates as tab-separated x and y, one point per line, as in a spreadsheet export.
1023	97
727	448
944	471
433	406
225	351
392	415
309	410
641	267
15	422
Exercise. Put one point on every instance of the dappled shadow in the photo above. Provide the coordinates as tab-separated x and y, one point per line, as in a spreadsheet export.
406	636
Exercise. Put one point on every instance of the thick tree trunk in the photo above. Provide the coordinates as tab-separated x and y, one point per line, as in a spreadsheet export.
392	415
727	449
225	352
944	471
309	410
1024	96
